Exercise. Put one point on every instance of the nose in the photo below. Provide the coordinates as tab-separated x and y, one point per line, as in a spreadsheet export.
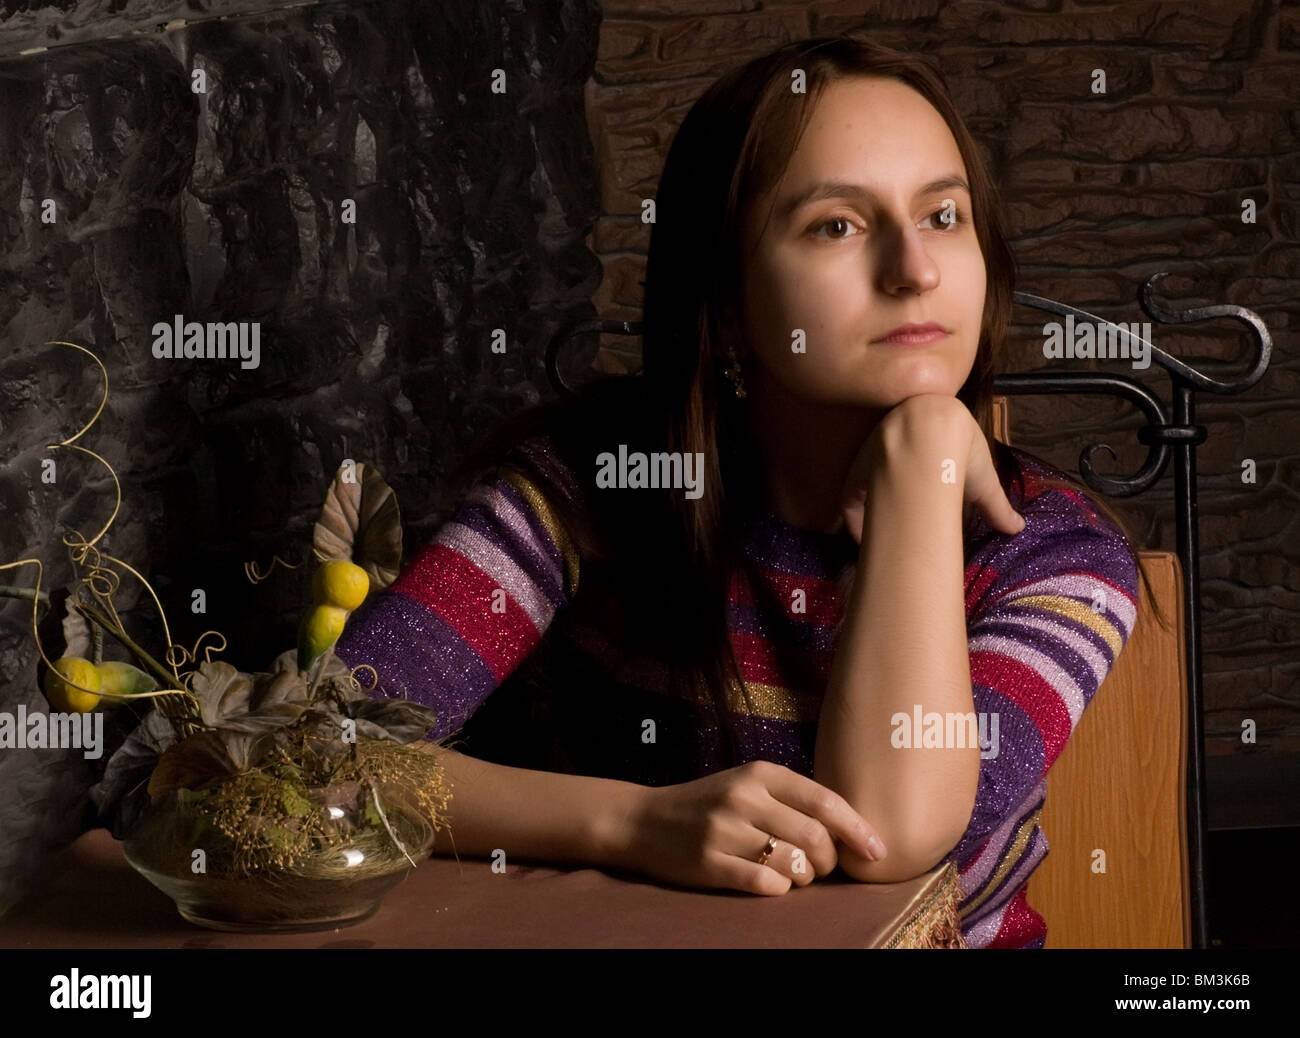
905	265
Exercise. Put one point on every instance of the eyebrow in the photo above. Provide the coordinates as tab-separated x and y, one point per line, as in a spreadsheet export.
843	189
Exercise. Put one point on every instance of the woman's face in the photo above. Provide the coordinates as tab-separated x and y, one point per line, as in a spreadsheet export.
871	254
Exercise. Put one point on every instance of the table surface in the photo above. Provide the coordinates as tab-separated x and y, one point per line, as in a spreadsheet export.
95	899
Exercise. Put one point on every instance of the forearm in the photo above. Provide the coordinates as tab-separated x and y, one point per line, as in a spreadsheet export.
902	644
533	815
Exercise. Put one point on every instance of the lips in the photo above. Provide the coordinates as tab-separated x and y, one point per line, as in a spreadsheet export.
913	334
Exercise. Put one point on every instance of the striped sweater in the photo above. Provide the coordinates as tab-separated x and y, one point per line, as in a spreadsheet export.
1048	612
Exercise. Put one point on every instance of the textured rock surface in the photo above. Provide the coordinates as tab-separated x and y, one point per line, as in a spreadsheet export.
471	209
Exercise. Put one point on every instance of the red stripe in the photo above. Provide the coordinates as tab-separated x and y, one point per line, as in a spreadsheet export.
820	595
760	664
447	583
1020	925
977	582
1030	691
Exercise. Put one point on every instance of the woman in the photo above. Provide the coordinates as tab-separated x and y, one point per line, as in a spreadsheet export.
721	683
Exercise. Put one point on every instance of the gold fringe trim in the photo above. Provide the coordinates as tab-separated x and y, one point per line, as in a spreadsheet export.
937	924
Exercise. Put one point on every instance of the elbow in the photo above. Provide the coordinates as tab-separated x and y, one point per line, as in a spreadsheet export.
904	859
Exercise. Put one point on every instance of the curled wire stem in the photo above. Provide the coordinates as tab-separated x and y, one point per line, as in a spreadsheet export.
352	676
103	582
178	655
256	575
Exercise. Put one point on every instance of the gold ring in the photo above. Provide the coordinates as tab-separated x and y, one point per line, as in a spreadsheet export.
767	851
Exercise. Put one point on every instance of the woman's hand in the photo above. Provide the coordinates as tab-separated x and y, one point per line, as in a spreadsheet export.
710	832
925	432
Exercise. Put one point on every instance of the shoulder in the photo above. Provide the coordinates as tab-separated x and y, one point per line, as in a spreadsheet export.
1037	490
1067	540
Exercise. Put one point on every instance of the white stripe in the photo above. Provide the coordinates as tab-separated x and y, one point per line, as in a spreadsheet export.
982	933
1035	852
1081	586
504	508
1078	642
1060	681
502	568
978	874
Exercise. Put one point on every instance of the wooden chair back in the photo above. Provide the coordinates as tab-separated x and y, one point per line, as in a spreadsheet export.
1116	875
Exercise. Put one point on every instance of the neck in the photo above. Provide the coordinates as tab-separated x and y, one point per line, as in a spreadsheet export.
805	448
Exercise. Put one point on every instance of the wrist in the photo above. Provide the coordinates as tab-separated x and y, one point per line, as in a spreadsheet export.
922	433
614	827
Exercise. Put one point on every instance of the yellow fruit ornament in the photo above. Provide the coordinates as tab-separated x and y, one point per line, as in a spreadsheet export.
319	630
340	583
118	677
68	698
338	586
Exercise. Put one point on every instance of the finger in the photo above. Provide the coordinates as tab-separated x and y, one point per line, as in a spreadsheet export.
984	491
787	858
799	831
828	807
737	873
998	512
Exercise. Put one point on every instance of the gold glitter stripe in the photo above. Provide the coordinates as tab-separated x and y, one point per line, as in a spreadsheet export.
774	701
1009	861
538	503
1073	609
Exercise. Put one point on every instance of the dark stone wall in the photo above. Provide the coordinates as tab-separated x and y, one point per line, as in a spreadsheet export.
1101	191
231	205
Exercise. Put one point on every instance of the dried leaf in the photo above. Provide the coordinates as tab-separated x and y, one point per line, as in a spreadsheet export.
221	691
191	764
268	719
396	719
206	757
279	688
120	795
360	521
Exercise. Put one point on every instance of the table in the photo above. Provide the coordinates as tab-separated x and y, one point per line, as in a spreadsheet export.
96	900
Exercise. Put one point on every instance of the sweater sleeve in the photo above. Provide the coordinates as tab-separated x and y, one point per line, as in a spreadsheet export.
1048	612
471	606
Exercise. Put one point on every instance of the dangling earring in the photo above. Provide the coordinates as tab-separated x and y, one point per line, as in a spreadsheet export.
733	373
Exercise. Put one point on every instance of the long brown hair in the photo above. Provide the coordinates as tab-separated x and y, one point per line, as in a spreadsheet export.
673	557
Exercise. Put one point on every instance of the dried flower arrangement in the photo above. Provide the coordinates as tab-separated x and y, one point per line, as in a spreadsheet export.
269	769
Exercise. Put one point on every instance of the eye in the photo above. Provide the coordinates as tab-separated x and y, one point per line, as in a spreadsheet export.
958	216
844	220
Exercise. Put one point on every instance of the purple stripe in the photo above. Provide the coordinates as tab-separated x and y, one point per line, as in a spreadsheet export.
418	657
1035	852
1072	629
789	743
977	874
803	553
767	622
1004	780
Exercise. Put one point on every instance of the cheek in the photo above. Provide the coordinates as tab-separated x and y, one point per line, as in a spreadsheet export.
974	281
778	303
